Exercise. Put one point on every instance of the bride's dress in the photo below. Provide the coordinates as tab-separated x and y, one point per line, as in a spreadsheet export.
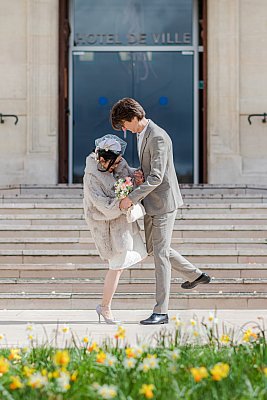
130	257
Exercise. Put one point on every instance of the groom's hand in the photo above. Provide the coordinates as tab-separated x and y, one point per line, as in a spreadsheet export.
125	203
138	177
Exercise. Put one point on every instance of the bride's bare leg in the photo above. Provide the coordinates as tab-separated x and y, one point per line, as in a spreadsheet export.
110	286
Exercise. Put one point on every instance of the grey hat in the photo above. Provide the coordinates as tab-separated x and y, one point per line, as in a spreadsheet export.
112	143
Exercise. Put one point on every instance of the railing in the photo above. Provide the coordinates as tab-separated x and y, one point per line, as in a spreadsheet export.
2	116
264	115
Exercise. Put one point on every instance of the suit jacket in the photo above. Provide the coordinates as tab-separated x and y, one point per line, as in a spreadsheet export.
160	192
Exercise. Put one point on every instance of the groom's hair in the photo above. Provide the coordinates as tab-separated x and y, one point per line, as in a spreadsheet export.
125	110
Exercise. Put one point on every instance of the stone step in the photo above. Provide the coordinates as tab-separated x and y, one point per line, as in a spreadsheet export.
61	243
189	218
145	270
77	208
178	227
131	301
20	189
126	285
80	256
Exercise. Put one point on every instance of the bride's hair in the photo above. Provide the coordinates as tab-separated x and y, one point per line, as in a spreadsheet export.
108	155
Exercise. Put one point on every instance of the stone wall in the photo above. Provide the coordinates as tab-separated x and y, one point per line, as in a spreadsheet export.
237	65
29	88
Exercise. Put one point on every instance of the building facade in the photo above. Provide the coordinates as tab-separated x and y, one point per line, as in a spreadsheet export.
198	67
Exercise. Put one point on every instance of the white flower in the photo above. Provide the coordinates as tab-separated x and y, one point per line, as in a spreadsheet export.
149	363
65	329
137	350
37	380
63	381
129	363
175	354
110	360
107	391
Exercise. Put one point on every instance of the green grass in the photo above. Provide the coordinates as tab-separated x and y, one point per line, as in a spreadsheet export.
81	371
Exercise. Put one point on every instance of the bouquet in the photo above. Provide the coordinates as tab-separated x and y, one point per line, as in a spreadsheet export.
123	187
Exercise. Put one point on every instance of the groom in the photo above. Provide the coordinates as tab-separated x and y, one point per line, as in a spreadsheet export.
160	194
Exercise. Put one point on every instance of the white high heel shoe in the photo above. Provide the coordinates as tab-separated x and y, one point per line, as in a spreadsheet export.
107	320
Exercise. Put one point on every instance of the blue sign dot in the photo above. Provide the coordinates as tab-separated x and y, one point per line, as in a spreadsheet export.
163	100
102	100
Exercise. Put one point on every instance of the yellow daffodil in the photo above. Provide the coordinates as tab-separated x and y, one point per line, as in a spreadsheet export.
199	373
129	352
28	371
93	347
4	365
15	383
225	339
85	339
120	334
249	336
55	374
101	357
147	391
14	354
220	371
2	336
73	376
265	371
29	327
193	322
62	358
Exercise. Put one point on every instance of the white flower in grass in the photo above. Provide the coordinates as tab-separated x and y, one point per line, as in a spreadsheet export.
193	322
107	391
129	363
173	368
31	337
176	321
148	363
110	360
212	318
37	380
175	354
63	382
65	329
2	336
144	346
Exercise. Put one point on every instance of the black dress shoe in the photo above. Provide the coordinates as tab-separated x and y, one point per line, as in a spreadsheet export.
203	278
156	319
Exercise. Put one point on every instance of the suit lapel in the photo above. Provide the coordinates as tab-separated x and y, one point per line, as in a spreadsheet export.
144	142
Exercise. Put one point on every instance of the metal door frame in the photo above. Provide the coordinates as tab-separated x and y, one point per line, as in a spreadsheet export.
195	48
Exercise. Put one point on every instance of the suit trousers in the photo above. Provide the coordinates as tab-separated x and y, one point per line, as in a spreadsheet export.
158	233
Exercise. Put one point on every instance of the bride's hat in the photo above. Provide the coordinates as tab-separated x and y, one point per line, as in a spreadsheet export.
112	143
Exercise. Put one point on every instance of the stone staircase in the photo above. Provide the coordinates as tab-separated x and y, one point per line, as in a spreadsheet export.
48	259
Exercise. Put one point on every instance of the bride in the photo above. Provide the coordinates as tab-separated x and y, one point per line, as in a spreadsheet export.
118	241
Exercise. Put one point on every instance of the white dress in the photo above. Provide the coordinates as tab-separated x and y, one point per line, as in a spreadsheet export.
130	257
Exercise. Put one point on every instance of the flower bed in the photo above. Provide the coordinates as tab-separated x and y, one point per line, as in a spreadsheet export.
184	361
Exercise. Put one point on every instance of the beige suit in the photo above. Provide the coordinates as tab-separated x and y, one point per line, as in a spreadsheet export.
161	197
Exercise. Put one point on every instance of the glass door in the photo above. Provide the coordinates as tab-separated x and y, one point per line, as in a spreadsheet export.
155	65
